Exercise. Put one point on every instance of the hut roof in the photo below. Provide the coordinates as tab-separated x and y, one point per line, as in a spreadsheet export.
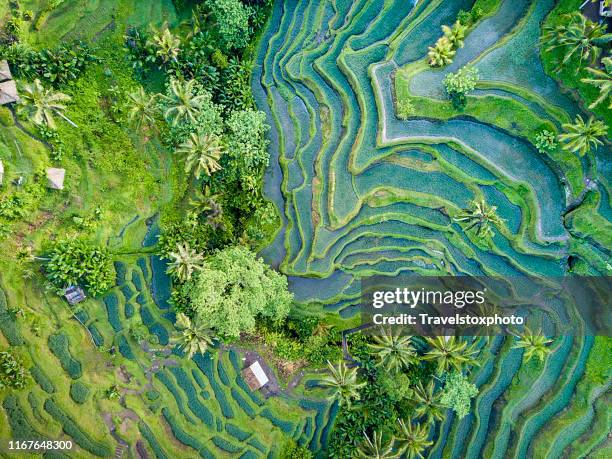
255	376
5	71
74	294
8	92
55	178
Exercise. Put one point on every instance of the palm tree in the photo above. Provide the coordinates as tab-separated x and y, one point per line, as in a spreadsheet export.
427	402
142	108
183	102
375	448
412	439
576	36
394	352
450	353
40	104
479	217
581	136
602	79
535	344
343	381
184	262
166	44
455	34
442	53
194	338
203	152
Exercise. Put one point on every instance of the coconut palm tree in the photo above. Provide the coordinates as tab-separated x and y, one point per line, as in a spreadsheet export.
535	344
450	353
455	34
427	402
576	36
479	217
412	439
142	109
193	338
184	262
166	44
183	102
601	79
376	448
442	53
581	136
203	152
343	381
41	104
394	352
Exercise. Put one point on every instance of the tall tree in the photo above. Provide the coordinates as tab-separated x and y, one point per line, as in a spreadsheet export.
394	352
450	353
194	338
343	381
183	101
427	402
376	447
184	261
458	393
142	109
602	80
233	289
413	439
479	217
534	343
203	152
41	104
582	136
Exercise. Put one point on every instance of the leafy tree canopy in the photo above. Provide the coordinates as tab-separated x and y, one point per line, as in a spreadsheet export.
233	288
458	393
12	372
232	18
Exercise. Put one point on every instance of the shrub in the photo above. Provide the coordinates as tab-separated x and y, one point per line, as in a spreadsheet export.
545	141
155	446
12	372
285	426
120	270
152	395
222	374
459	84
129	310
112	311
243	404
160	331
74	262
236	432
8	325
96	335
405	108
42	379
20	426
291	450
255	443
125	349
79	392
73	430
59	346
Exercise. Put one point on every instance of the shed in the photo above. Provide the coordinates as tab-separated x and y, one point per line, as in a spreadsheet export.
1	172
255	376
8	92
74	294
55	178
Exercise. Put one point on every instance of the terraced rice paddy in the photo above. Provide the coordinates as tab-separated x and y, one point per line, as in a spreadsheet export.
363	192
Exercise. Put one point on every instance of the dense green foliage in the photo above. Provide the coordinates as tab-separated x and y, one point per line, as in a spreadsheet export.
75	262
12	372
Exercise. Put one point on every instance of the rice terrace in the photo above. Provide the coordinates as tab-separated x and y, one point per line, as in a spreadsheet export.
196	196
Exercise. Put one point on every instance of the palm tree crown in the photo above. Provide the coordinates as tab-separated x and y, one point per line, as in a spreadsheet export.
343	381
450	353
581	136
394	352
40	104
184	262
142	108
412	439
376	448
535	344
166	44
455	34
184	102
480	217
203	153
427	402
442	53
577	36
193	338
601	79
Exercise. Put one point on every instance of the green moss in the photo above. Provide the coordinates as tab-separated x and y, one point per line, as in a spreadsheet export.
6	117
